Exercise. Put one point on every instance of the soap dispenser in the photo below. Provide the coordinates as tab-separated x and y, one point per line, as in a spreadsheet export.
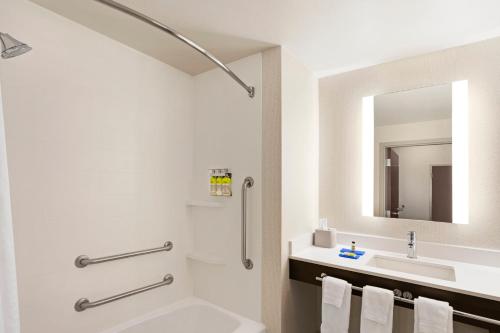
213	185
218	182
226	185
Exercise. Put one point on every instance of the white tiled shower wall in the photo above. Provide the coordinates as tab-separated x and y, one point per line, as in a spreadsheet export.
101	152
228	134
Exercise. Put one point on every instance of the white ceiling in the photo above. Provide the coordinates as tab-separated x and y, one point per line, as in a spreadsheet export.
417	105
328	36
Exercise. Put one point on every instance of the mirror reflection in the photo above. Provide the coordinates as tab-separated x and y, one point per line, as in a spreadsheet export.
413	154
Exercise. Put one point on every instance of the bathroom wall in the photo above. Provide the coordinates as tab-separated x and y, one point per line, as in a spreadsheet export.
271	194
100	146
228	134
290	116
340	141
299	155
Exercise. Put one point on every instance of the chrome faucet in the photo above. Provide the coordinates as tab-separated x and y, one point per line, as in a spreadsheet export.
412	244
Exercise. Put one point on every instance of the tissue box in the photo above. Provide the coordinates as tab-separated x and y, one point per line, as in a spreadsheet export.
325	238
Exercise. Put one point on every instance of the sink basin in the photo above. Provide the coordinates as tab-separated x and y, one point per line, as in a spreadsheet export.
413	266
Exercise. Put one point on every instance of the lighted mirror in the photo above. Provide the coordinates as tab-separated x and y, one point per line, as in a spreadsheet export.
415	154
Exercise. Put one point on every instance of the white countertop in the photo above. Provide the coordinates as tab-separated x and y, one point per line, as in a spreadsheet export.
471	279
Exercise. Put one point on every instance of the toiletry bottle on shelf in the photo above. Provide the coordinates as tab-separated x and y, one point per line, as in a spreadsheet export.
230	184
219	185
213	185
226	185
353	246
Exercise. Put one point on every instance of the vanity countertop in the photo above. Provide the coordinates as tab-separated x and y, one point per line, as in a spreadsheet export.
475	280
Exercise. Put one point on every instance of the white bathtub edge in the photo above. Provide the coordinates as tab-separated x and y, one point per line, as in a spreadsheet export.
248	325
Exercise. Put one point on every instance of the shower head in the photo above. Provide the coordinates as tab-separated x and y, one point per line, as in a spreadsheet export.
11	47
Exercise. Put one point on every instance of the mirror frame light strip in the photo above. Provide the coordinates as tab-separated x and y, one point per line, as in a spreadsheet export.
460	153
146	19
368	155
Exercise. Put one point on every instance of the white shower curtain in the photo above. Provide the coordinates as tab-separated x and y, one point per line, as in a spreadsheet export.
9	313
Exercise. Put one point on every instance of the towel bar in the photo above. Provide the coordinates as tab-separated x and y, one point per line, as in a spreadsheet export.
83	303
455	312
83	260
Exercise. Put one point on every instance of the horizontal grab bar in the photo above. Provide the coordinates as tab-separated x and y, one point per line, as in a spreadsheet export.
83	260
455	312
83	303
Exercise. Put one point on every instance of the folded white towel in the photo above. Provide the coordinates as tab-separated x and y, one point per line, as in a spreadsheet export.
377	310
333	291
433	316
336	306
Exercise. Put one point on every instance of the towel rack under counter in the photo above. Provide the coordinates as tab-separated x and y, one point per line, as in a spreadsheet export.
471	309
410	301
83	303
83	260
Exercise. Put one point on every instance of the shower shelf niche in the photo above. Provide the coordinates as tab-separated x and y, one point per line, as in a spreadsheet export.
205	258
203	203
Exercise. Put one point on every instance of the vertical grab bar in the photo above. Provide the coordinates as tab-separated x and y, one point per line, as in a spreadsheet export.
247	183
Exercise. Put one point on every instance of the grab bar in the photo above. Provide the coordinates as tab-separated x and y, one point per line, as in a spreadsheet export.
247	183
83	260
409	301
83	303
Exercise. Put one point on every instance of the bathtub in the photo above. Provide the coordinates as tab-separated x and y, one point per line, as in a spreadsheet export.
191	315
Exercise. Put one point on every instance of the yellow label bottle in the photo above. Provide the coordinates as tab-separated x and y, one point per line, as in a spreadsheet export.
226	186
213	185
219	186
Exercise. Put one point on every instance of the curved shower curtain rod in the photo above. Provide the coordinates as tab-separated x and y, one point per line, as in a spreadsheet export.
172	32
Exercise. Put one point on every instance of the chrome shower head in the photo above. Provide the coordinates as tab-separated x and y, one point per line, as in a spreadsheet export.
11	47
